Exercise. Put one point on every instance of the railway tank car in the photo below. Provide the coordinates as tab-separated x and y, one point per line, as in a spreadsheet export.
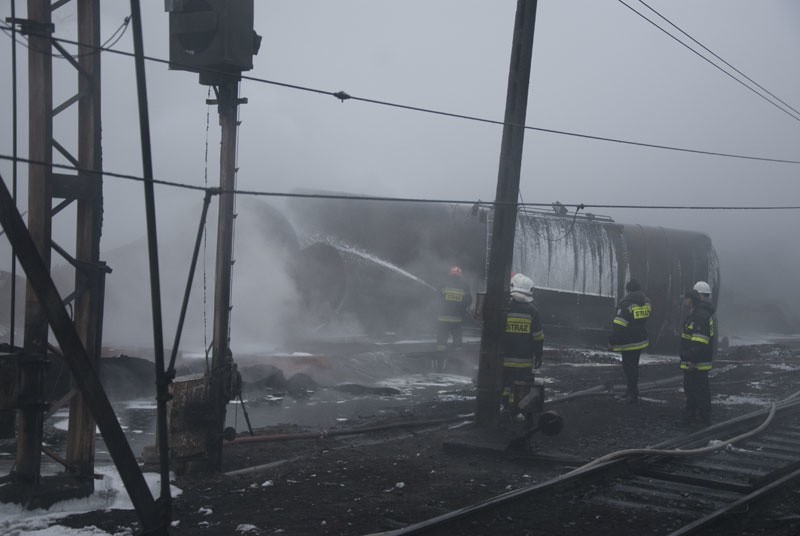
580	267
390	257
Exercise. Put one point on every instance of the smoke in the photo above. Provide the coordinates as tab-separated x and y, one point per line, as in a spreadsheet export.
266	303
263	294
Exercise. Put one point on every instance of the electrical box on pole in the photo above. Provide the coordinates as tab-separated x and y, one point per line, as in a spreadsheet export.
216	39
212	37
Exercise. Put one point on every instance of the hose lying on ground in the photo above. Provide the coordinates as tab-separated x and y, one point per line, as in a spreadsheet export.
679	452
334	433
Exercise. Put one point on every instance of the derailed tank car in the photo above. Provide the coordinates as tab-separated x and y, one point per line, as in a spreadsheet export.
580	267
395	254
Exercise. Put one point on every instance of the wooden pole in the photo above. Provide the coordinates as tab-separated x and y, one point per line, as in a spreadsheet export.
32	364
88	281
221	356
490	365
78	361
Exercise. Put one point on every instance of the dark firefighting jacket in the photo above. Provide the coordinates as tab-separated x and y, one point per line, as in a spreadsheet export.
454	300
629	328
523	338
697	338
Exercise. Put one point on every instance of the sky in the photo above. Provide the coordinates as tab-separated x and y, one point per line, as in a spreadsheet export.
598	69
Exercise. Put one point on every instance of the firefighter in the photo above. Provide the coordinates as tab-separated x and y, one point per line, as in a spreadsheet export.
522	343
629	336
455	299
696	351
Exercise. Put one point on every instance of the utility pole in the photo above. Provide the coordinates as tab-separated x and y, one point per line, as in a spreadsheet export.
45	185
30	393
89	280
221	360
490	365
219	56
75	356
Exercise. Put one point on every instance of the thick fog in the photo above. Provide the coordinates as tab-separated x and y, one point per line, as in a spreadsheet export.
598	69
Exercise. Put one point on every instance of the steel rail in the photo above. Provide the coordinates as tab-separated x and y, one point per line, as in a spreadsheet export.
604	464
717	515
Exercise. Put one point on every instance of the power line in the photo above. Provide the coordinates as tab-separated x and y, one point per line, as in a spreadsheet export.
350	197
781	108
107	45
341	95
720	58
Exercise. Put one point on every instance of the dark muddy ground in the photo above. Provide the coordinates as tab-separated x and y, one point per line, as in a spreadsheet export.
366	483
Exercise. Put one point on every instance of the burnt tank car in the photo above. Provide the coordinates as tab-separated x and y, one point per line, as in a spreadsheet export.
395	254
580	267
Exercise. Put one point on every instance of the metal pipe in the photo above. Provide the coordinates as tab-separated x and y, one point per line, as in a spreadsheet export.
14	163
184	306
162	382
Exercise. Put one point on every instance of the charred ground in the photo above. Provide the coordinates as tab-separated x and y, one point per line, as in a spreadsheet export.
383	480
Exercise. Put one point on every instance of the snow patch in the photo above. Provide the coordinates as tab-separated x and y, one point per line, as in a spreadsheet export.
408	384
577	365
110	494
141	404
449	397
735	400
782	366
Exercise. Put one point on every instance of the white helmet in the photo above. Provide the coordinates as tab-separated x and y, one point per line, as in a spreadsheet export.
522	288
703	288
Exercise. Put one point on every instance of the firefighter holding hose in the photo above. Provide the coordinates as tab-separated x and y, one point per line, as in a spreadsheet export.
455	299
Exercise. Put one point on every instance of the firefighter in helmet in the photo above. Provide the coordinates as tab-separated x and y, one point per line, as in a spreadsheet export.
696	351
629	335
522	344
455	299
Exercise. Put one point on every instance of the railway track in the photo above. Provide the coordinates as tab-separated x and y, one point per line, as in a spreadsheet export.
683	486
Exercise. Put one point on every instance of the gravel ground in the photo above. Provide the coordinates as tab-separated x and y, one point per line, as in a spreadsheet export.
365	483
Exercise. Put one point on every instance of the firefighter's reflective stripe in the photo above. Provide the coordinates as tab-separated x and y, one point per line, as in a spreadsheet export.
453	294
448	318
640	311
517	362
711	326
538	335
518	323
641	345
699	337
621	322
687	336
697	366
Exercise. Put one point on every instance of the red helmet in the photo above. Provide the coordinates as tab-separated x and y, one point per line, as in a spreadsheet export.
455	270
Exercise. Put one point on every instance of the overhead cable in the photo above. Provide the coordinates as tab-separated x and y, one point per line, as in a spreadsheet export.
341	95
779	107
351	197
106	46
721	59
